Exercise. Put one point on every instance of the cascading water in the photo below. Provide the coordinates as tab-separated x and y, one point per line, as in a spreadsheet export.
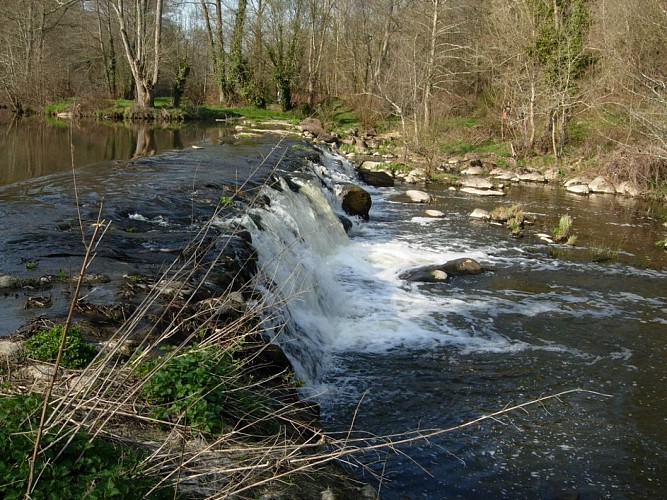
437	355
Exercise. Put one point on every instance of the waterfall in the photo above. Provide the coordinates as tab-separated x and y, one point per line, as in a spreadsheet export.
295	235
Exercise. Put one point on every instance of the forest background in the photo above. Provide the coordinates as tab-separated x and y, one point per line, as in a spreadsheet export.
584	80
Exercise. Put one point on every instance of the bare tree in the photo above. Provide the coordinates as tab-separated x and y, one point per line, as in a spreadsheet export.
25	26
140	31
216	39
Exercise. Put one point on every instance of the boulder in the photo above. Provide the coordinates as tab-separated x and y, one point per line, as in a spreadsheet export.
312	126
371	165
7	281
355	200
476	182
418	196
434	213
602	185
376	178
578	188
628	188
472	170
503	175
442	272
480	213
552	174
328	138
9	351
415	176
482	192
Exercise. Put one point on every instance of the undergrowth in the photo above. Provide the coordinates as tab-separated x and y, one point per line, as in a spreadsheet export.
45	344
86	468
200	387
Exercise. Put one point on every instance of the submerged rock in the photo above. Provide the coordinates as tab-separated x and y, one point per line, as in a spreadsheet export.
480	213
482	192
439	273
7	281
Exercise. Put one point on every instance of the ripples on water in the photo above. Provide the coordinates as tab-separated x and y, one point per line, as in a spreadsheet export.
397	356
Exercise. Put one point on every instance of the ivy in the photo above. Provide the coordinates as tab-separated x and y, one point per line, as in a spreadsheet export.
44	346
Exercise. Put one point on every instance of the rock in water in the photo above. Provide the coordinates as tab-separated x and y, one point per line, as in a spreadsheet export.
418	196
602	185
480	213
442	272
355	200
376	178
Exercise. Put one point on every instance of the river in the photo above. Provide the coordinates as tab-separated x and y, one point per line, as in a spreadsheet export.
387	356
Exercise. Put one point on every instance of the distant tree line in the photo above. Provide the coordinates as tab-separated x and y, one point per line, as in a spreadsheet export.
534	65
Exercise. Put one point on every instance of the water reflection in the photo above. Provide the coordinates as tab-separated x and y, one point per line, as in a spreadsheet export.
34	147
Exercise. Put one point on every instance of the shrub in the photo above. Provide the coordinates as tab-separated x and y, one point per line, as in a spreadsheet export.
43	346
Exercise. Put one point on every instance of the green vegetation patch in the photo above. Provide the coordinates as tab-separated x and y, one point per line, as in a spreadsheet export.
461	147
201	387
85	468
60	106
44	346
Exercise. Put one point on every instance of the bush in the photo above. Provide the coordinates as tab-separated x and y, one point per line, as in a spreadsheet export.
86	468
43	346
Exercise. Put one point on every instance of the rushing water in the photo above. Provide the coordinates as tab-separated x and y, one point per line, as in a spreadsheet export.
393	356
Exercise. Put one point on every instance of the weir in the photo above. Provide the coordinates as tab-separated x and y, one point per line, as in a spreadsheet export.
295	234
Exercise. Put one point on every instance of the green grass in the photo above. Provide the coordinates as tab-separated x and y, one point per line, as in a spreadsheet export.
60	106
461	147
562	233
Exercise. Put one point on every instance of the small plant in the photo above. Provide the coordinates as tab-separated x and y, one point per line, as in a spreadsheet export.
395	167
44	346
199	387
513	217
603	254
226	201
61	275
85	468
562	232
30	265
661	244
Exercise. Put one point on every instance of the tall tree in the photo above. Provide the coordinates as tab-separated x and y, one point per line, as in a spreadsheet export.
216	39
140	31
285	48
